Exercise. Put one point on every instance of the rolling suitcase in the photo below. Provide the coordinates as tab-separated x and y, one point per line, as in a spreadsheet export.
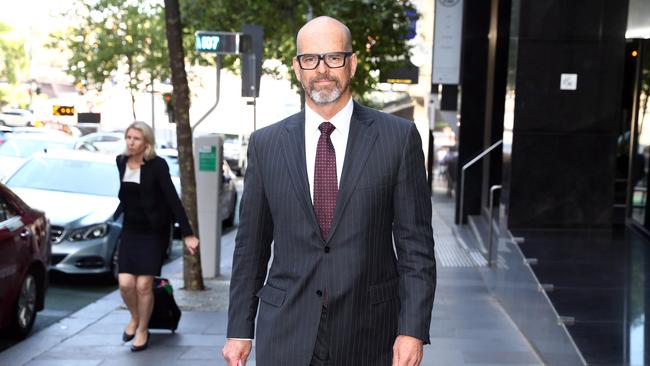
165	314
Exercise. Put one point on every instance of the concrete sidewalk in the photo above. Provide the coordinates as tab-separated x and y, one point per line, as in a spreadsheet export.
468	327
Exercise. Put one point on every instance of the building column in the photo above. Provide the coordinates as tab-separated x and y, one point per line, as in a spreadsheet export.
560	132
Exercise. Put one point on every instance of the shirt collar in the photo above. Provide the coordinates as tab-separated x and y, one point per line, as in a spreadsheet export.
341	120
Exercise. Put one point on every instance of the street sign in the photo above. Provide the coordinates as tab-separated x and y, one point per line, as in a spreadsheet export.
221	42
89	117
63	110
407	74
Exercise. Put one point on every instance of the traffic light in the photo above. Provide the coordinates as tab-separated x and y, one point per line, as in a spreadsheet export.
169	106
63	110
251	60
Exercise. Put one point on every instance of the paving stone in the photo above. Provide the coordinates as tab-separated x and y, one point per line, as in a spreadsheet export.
468	327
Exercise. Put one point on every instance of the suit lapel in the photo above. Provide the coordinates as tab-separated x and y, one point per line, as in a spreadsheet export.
360	141
294	153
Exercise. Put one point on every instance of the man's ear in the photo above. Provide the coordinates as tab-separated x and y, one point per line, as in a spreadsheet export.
296	68
353	64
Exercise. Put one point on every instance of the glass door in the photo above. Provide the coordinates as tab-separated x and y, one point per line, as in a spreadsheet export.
637	169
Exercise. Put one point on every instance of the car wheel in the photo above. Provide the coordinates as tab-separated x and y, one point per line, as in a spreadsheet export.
25	309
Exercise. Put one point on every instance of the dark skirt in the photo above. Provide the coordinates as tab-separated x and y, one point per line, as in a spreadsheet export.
141	253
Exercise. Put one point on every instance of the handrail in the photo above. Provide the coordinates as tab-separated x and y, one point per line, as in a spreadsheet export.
462	175
489	253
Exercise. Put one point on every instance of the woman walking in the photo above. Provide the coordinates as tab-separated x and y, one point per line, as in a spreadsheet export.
150	205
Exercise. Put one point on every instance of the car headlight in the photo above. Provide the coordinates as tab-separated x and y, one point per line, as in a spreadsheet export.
89	232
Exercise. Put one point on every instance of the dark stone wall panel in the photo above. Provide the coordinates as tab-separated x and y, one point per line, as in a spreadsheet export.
573	19
594	107
561	181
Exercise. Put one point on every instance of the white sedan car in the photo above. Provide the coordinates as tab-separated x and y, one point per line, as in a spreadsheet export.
16	117
18	147
78	192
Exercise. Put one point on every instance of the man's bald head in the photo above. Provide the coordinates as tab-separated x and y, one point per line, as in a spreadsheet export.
324	26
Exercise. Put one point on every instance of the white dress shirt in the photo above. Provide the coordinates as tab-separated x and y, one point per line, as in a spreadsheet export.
131	175
339	138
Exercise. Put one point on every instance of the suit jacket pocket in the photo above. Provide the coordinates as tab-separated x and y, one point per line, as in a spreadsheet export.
272	295
384	291
372	181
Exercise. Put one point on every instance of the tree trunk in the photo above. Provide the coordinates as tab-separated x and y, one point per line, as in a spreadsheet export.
192	274
129	64
133	104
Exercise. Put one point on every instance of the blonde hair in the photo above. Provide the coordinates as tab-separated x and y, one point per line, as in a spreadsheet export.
149	139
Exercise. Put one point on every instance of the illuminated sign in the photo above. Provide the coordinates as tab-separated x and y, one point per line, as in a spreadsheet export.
63	110
221	42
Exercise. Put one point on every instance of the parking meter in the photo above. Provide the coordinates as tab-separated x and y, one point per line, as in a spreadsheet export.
208	152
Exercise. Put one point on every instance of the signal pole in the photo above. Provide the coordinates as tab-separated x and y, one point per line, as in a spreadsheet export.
153	113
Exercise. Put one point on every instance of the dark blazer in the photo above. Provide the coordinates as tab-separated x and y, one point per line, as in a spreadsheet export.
159	197
374	292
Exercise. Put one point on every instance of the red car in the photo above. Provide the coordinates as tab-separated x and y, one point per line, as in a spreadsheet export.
25	250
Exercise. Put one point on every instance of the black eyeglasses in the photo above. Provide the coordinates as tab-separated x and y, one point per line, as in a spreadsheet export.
333	60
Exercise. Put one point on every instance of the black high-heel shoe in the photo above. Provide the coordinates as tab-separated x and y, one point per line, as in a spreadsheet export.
127	337
142	347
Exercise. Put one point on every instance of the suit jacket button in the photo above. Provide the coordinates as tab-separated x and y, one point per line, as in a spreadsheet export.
326	249
319	293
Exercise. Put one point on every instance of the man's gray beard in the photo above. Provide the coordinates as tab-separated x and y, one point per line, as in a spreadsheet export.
325	96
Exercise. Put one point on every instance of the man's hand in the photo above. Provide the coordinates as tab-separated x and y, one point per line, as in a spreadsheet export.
236	350
407	351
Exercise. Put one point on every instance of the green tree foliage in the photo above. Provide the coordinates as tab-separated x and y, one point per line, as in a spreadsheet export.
13	59
112	37
379	28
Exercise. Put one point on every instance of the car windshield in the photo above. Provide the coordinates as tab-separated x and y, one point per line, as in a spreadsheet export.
76	176
20	148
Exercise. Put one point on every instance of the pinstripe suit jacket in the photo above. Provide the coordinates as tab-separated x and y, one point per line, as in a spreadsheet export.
374	291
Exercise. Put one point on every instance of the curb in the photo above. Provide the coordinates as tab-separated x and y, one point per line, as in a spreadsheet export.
213	299
68	327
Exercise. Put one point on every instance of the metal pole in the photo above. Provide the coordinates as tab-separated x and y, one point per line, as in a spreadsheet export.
218	66
254	113
462	195
153	114
492	190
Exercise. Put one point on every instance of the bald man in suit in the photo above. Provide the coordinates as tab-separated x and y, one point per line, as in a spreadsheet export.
340	192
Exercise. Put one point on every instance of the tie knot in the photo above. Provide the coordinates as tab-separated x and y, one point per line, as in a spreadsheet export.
326	128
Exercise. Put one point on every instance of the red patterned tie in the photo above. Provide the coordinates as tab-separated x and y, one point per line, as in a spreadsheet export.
325	183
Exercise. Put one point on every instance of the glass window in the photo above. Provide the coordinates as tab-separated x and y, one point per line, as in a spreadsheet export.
641	162
20	148
75	176
7	211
